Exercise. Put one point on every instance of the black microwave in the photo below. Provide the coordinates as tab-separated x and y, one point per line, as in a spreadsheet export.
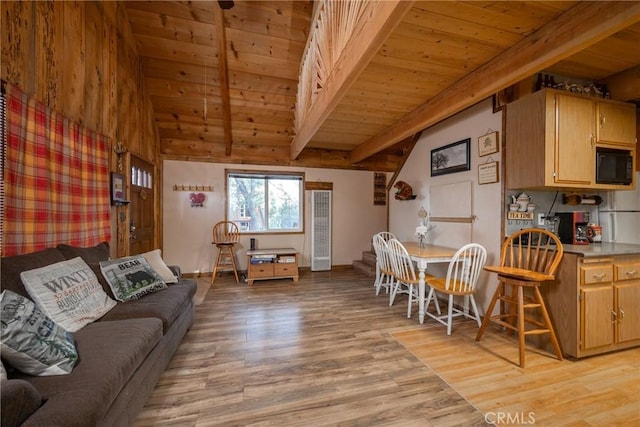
614	166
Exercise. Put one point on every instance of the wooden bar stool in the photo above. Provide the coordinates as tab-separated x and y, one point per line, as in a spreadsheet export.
528	258
225	236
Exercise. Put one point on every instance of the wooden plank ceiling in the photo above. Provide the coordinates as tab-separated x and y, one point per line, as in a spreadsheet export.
439	58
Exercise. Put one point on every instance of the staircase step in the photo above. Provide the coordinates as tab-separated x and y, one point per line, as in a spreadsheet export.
369	258
365	268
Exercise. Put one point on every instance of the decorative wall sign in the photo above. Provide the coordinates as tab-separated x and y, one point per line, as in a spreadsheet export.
451	158
488	144
118	189
488	173
524	216
379	189
197	200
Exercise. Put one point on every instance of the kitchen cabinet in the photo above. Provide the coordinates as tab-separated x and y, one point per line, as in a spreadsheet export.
613	123
551	138
272	264
595	303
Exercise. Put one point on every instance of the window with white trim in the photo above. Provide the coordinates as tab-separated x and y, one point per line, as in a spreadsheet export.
265	202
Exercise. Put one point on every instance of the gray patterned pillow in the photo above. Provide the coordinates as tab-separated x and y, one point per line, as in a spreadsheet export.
31	341
131	277
68	292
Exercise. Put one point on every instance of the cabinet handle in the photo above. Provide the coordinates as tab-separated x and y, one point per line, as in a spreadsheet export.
603	120
614	316
632	273
620	313
600	276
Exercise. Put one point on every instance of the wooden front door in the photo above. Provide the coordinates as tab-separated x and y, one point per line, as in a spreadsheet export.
142	230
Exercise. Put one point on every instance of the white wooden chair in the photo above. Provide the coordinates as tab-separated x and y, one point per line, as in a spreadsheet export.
405	275
384	271
461	280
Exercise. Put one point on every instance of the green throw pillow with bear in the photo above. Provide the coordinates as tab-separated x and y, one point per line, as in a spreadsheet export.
131	277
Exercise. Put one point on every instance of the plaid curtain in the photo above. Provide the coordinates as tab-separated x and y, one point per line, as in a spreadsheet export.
56	177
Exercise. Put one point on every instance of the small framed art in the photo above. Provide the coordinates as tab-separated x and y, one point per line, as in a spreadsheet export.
118	189
488	173
488	144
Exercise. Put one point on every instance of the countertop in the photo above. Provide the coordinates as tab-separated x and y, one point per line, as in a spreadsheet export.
602	249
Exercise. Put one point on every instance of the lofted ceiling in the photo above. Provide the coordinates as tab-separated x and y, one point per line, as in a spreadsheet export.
223	82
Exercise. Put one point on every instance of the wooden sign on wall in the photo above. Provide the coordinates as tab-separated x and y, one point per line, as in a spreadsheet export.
379	189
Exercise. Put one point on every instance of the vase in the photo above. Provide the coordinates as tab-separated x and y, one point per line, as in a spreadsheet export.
422	241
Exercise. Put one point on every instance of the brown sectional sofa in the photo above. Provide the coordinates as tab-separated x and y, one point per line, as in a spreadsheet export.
121	356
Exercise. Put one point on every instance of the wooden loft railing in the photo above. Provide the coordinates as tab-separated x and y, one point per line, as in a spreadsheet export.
333	25
344	37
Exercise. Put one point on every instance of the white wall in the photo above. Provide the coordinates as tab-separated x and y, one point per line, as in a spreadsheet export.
486	199
187	230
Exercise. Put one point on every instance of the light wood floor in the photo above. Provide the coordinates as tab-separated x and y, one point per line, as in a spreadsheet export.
602	390
312	354
327	351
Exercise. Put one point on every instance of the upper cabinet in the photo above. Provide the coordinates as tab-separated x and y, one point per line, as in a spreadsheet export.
552	136
616	122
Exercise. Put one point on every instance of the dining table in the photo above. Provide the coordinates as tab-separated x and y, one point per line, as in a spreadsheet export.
423	256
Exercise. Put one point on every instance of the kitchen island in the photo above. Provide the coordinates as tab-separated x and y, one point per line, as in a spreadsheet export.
594	302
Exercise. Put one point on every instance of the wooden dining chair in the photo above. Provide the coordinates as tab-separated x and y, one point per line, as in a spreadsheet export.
528	258
461	280
384	270
406	279
225	236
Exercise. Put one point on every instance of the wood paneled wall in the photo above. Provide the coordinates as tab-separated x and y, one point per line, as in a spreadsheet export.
80	59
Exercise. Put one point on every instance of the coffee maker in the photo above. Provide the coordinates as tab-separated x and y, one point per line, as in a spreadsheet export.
572	229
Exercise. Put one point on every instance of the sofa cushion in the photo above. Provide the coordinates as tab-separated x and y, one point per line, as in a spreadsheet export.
165	305
31	341
95	267
110	353
68	292
90	255
19	400
12	266
154	258
131	277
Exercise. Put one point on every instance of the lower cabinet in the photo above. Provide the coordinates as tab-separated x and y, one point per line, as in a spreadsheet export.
598	318
272	264
595	304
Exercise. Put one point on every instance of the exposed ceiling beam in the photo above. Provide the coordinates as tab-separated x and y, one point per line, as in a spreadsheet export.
579	27
625	86
223	72
361	48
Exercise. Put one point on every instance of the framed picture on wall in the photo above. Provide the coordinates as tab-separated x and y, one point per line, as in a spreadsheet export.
118	187
488	144
488	173
451	158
